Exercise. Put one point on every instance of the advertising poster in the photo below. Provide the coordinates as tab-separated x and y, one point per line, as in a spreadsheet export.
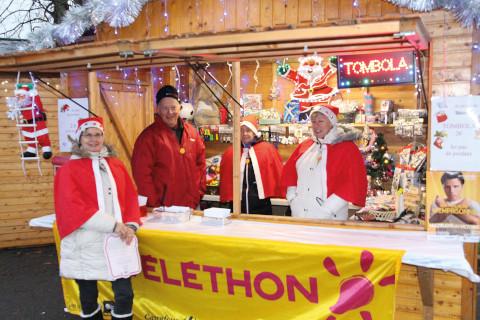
252	104
68	115
452	205
455	133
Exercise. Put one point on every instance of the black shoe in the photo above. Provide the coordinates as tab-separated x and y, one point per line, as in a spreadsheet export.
29	154
47	155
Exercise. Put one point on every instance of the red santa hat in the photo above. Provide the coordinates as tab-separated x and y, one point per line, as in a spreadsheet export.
84	124
251	122
25	89
330	111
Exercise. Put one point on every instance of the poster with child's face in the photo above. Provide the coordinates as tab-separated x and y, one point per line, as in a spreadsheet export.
452	206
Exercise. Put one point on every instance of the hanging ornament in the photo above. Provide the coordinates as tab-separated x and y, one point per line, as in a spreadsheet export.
255	77
273	89
231	74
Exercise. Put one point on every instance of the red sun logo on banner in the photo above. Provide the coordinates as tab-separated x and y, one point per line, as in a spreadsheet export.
356	291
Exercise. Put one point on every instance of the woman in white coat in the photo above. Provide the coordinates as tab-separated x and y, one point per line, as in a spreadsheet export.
94	197
327	172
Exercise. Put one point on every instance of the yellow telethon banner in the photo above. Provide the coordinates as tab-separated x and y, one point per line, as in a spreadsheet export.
202	277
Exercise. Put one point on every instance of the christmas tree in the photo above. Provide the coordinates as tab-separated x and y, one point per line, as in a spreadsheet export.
379	163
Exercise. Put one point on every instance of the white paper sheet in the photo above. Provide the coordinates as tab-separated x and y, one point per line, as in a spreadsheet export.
123	261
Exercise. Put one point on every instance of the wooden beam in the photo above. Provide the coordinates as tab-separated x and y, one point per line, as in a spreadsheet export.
329	39
425	280
416	33
236	139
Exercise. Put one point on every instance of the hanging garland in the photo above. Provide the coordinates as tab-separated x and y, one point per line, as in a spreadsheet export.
466	11
117	13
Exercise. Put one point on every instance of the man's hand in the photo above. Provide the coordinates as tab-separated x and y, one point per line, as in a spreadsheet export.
439	202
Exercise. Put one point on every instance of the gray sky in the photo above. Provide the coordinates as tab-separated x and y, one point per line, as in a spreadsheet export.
7	6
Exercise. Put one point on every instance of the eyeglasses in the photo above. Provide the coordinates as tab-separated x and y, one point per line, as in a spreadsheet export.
166	109
92	136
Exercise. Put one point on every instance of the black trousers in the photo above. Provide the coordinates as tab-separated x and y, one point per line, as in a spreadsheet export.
122	291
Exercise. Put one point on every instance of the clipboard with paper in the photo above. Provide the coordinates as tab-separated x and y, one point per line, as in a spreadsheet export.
123	260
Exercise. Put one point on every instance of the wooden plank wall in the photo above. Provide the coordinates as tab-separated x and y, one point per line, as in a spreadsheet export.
192	17
23	198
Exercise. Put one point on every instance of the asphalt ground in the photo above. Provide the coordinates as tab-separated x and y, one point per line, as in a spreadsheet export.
30	287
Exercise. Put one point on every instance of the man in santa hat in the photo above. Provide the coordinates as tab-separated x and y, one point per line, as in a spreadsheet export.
260	169
27	98
327	172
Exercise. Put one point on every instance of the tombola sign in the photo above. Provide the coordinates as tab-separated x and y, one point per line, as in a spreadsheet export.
376	69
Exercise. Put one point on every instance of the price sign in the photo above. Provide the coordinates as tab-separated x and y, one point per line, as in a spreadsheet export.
455	133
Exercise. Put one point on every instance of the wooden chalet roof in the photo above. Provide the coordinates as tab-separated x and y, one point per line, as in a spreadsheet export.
402	34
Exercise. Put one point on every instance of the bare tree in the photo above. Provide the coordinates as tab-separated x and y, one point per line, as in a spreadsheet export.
20	16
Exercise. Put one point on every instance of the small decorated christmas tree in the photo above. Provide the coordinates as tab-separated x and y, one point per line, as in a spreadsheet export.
379	163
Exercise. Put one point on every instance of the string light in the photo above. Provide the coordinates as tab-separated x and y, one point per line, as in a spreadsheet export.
355	5
165	14
224	12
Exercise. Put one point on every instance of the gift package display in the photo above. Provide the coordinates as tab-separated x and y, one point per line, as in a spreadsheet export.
410	122
386	203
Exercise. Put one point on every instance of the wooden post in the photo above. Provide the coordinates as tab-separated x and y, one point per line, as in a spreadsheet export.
93	92
425	280
469	288
236	139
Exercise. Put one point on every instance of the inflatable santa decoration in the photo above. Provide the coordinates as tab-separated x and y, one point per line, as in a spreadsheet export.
28	98
311	86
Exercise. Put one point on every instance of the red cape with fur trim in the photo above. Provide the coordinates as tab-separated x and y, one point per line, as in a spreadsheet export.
76	196
346	172
270	164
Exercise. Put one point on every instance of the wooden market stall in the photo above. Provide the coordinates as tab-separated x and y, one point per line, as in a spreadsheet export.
264	32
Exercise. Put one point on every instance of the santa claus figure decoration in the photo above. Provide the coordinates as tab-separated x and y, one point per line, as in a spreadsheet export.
28	98
311	86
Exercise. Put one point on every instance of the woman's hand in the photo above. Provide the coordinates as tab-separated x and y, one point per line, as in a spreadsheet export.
125	233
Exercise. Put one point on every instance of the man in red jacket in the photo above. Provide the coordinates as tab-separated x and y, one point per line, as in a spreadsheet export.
168	161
